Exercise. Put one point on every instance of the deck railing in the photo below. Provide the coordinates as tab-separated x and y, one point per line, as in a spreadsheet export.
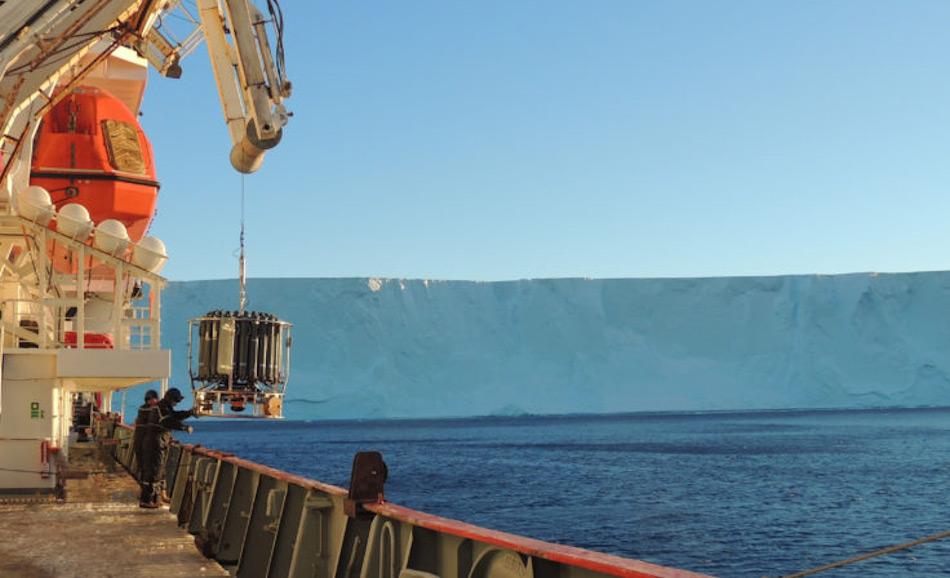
265	523
53	282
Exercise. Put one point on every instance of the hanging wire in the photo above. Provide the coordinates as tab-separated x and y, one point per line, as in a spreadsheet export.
277	17
242	267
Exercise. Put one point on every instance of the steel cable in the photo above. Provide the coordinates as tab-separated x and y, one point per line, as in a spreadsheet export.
868	555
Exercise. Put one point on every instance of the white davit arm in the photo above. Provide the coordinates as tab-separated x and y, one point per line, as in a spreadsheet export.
251	86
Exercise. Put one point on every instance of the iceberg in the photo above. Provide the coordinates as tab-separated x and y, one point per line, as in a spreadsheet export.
400	348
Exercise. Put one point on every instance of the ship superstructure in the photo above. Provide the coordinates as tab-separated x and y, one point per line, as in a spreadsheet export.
79	276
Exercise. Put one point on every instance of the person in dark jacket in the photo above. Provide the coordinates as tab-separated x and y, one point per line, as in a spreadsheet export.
170	418
157	419
145	444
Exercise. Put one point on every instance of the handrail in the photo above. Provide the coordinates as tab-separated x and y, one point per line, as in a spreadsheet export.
265	470
266	522
568	555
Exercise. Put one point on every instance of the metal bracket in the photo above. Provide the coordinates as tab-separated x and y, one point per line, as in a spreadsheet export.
275	501
367	483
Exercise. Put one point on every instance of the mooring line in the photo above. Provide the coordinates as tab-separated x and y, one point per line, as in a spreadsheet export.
874	554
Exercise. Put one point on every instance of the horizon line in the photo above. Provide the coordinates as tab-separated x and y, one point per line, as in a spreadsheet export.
564	278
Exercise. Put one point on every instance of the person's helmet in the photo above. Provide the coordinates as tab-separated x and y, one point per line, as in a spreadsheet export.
151	394
174	395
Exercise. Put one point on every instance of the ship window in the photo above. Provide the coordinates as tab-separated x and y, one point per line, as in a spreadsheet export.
122	142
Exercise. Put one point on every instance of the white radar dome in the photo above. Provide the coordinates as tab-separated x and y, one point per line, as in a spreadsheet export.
150	254
111	237
34	203
73	221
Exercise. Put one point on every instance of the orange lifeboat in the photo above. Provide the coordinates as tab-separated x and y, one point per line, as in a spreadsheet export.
91	150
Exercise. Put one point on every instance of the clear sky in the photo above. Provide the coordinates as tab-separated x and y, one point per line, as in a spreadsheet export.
503	139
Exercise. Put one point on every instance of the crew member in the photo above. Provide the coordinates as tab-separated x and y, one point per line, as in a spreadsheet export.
157	417
169	419
146	445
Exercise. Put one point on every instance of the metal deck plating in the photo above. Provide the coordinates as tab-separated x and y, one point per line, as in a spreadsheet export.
98	532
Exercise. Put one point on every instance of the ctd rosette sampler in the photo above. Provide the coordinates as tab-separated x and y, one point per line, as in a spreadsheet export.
239	363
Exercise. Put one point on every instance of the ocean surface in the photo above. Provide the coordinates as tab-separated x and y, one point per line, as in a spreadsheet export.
730	494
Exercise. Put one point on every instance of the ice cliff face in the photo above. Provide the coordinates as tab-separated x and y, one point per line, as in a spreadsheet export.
411	348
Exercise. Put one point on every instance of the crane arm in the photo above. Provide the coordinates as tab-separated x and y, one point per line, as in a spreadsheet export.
249	84
43	48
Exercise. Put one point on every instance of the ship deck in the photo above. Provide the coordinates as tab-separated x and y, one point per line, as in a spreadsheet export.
99	531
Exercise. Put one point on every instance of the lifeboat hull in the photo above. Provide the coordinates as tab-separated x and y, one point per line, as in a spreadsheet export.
91	150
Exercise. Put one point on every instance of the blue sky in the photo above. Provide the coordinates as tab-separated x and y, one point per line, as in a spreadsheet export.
504	139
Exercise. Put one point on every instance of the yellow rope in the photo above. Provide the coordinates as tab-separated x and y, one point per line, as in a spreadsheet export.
874	554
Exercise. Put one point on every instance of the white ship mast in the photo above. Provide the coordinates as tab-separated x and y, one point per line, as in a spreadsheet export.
80	304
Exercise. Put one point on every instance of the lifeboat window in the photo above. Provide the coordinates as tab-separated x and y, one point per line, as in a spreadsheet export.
122	142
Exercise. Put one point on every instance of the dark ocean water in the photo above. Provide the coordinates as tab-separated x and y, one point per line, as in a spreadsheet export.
744	494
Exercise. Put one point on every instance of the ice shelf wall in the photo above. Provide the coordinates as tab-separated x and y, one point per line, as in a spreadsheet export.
416	348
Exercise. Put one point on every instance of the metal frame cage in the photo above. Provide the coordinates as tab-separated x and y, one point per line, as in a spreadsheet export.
241	364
